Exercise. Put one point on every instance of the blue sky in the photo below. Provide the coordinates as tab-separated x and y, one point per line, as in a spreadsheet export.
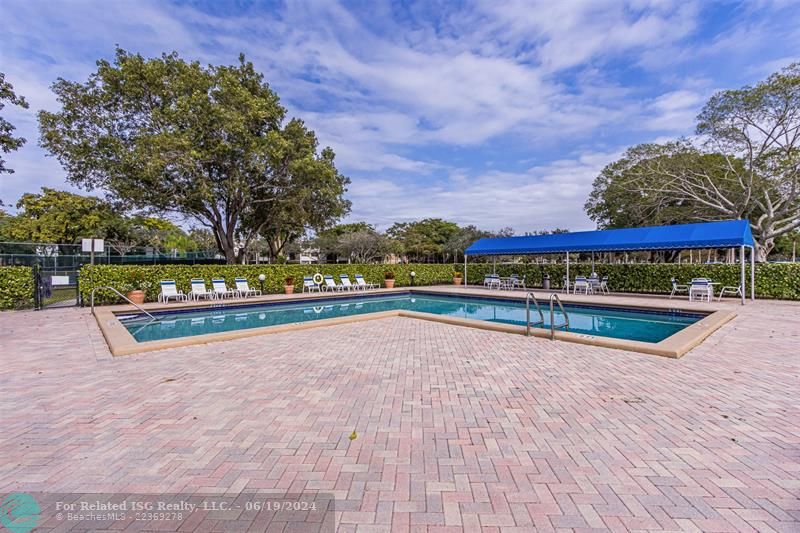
489	113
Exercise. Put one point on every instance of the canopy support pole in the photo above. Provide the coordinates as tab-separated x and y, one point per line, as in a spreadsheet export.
567	272
741	264
465	270
592	262
494	264
753	273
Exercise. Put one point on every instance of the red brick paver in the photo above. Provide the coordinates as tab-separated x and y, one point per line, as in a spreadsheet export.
456	428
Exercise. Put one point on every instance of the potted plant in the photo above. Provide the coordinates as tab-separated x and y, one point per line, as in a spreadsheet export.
288	285
388	279
457	277
136	288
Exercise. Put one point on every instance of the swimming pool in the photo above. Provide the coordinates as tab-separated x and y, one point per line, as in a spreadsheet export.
619	323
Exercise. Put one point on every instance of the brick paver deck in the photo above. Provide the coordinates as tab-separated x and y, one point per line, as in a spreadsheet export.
457	428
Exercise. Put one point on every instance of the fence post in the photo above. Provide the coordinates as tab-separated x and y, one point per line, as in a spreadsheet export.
78	299
37	281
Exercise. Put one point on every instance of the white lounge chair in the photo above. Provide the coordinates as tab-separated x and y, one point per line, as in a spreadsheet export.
361	282
244	288
199	290
169	291
701	287
222	290
330	284
345	279
309	284
677	287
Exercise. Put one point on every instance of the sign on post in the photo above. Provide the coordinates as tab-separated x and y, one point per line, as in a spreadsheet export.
92	246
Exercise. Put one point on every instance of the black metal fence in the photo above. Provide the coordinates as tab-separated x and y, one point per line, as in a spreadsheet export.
69	257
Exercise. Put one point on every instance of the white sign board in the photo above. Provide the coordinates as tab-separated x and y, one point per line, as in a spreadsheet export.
86	245
59	280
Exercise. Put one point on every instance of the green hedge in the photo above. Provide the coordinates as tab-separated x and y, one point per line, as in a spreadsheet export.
773	280
16	287
123	277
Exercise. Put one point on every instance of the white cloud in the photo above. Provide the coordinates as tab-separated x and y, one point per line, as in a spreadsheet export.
675	111
396	96
542	197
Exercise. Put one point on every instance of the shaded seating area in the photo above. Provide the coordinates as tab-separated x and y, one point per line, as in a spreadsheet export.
726	234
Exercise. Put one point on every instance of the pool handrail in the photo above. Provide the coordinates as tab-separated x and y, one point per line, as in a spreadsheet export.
530	296
91	300
565	325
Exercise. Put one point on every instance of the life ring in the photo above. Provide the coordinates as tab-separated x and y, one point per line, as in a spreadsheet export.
318	278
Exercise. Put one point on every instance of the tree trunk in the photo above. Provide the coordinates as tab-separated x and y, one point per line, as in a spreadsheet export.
763	249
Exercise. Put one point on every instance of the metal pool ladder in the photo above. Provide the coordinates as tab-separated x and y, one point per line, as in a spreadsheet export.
554	299
91	300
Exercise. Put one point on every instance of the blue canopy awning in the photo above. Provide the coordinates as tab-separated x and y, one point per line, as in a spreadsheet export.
724	234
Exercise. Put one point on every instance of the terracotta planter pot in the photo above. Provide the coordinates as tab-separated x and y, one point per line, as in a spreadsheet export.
389	283
136	297
288	289
456	281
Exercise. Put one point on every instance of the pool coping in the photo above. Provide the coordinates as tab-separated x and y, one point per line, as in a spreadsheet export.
121	342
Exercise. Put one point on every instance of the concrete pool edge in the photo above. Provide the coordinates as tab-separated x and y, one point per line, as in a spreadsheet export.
121	342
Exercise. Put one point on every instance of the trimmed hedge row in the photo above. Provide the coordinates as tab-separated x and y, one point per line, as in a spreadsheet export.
773	280
16	287
125	277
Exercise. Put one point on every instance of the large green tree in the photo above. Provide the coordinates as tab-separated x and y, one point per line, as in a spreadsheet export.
423	240
62	217
327	240
637	190
747	166
209	143
8	142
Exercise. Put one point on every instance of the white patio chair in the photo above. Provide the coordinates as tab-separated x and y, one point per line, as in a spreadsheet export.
363	283
736	291
199	290
221	289
492	281
169	291
309	284
604	285
701	287
330	284
244	288
582	284
345	279
677	288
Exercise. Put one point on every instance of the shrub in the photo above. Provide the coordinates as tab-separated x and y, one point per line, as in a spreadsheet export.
275	276
773	280
16	287
388	275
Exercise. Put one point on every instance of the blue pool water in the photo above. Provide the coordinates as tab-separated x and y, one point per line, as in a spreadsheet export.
631	324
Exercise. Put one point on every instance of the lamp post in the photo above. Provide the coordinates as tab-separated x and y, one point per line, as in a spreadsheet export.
261	278
413	275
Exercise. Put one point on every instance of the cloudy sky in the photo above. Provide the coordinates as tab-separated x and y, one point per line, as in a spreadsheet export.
490	113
